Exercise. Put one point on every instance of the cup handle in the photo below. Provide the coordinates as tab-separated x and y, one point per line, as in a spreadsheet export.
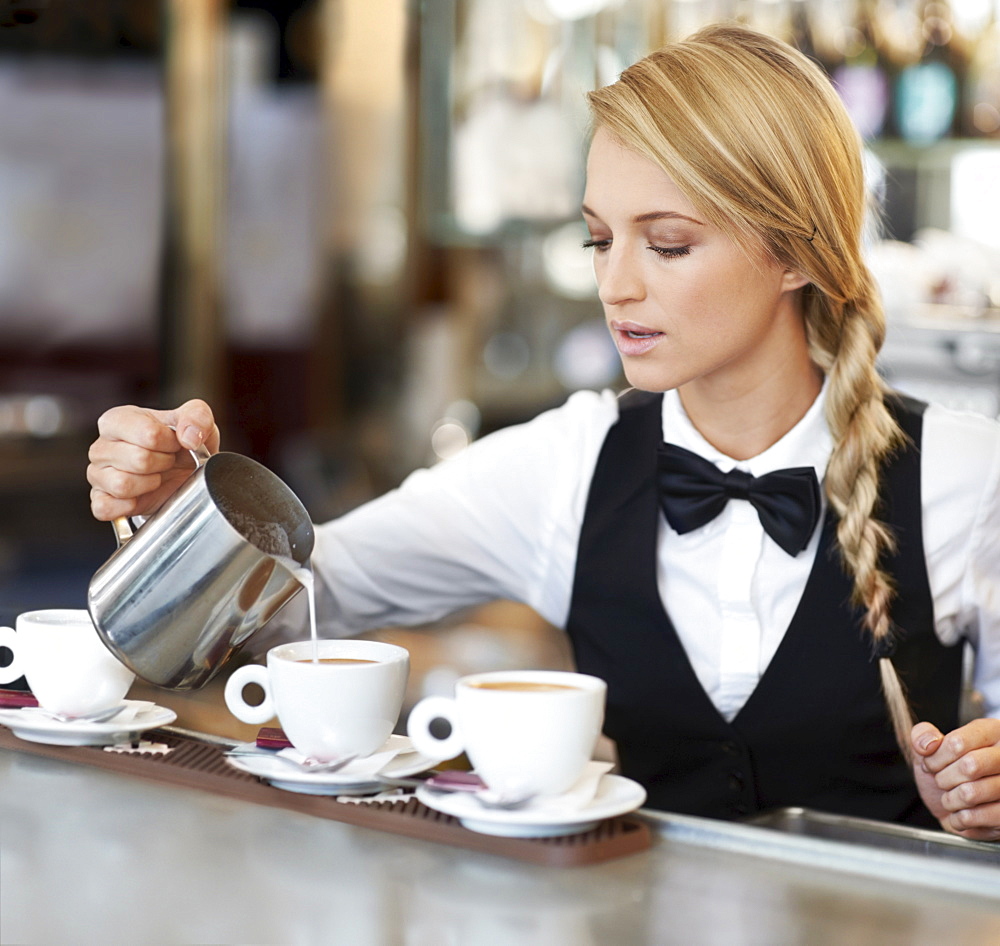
418	728
13	670
239	707
121	525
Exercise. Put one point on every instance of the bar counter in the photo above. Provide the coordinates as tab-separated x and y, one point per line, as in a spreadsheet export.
93	856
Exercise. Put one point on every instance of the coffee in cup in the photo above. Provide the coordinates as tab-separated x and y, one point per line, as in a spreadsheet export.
336	660
68	668
345	702
528	732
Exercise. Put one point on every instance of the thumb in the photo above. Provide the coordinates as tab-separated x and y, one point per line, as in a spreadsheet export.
194	423
925	738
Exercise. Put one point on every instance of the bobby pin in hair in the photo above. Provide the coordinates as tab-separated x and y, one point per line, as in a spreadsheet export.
810	238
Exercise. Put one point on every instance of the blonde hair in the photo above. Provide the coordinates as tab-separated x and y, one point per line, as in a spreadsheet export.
755	136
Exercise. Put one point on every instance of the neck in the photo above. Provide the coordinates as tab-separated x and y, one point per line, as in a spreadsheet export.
743	418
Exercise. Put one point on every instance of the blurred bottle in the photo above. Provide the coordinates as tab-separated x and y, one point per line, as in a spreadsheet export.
801	32
981	108
816	28
862	79
926	104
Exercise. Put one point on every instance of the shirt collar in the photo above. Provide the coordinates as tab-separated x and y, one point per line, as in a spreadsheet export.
808	443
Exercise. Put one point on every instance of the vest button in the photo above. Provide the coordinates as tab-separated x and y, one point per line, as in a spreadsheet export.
730	747
736	781
740	810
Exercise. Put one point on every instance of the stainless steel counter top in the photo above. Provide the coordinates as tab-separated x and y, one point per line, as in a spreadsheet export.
89	856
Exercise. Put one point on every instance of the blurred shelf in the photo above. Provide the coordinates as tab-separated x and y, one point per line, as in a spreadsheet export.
902	154
951	318
34	464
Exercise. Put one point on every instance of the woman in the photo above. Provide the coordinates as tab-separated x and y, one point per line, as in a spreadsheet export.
765	642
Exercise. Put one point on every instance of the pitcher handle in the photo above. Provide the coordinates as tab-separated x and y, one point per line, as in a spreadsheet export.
121	525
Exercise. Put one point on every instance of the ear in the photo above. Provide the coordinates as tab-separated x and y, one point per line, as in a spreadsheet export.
791	280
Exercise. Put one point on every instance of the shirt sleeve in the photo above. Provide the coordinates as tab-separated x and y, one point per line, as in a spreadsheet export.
500	520
961	496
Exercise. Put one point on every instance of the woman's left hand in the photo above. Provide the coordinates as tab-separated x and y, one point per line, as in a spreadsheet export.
958	776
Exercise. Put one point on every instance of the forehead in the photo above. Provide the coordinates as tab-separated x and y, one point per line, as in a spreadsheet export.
622	180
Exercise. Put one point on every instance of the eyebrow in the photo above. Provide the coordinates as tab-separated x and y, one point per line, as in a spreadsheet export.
652	215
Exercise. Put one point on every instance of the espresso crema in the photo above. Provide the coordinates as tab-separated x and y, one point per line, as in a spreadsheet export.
522	686
334	660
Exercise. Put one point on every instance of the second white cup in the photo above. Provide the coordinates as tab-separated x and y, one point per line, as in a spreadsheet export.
526	732
68	668
345	704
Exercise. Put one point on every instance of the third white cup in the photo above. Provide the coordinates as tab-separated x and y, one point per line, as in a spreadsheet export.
524	731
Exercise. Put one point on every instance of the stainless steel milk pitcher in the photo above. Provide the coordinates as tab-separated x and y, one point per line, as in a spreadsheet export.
186	588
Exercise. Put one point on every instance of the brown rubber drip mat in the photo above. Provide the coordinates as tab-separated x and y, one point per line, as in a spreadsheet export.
196	764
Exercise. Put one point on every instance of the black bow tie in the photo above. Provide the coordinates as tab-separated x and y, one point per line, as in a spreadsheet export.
694	491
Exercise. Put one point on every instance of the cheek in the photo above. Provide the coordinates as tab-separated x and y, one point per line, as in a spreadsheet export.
735	297
703	299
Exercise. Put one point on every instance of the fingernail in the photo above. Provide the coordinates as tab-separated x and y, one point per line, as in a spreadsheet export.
925	742
190	437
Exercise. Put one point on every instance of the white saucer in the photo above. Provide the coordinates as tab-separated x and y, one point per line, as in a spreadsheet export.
34	727
280	774
616	795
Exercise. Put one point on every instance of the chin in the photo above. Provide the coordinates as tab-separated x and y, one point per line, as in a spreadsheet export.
646	380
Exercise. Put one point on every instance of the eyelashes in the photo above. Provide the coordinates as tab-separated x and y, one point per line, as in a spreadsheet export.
671	252
668	252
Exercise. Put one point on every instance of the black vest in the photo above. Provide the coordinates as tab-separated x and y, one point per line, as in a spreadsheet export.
815	732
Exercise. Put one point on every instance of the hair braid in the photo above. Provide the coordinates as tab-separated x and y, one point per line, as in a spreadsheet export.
865	434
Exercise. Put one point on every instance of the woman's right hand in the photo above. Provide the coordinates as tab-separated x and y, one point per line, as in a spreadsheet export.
142	456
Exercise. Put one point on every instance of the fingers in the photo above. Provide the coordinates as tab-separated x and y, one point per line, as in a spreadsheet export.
151	429
959	748
983	791
119	456
965	765
981	823
136	425
976	765
139	460
106	507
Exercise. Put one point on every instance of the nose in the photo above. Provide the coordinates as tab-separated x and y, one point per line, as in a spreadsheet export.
619	277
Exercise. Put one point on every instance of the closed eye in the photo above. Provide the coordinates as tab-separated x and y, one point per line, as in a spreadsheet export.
671	252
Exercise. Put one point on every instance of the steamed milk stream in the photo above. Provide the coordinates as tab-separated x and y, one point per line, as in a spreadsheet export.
271	538
303	574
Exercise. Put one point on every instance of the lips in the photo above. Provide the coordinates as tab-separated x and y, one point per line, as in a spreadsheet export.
634	339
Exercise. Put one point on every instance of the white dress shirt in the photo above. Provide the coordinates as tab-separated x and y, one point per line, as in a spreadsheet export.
502	520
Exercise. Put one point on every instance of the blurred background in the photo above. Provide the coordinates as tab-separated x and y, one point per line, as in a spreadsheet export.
353	227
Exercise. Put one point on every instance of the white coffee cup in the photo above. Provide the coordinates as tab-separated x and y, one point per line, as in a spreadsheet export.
327	710
524	731
68	668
